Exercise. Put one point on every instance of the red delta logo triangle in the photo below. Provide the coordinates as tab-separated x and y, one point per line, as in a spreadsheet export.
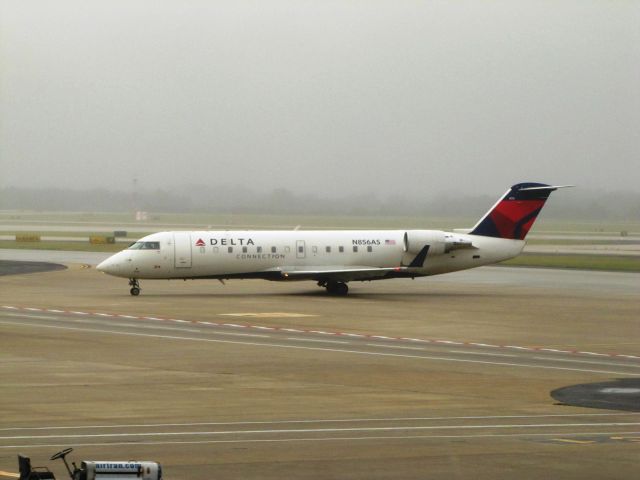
200	243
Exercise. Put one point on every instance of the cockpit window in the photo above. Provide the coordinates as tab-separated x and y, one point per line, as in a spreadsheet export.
145	246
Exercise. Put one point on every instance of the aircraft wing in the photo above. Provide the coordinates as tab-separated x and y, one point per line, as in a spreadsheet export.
335	273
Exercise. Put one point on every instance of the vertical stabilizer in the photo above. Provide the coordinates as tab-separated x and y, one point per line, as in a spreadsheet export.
513	215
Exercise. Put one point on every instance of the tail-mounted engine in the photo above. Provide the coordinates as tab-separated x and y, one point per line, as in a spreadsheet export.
439	242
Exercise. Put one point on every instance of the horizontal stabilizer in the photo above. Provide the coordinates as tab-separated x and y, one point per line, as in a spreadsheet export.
547	187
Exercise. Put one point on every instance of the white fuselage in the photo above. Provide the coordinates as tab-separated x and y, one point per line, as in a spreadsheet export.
271	254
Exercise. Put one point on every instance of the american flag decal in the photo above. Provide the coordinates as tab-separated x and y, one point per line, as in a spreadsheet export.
389	242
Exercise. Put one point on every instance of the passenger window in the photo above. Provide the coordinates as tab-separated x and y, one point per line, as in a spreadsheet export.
259	249
244	249
300	249
273	249
355	249
341	249
230	249
369	248
328	249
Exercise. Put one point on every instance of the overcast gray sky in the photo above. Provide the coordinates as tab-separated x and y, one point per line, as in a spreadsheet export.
322	96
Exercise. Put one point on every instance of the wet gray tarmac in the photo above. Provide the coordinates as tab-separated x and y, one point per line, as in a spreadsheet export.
12	267
447	377
620	394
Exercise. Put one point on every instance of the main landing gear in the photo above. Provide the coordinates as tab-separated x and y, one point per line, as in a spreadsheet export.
335	288
135	287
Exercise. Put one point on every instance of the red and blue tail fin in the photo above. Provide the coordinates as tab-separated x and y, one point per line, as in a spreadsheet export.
513	216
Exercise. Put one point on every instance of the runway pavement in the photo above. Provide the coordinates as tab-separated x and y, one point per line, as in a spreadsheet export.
99	324
60	256
447	377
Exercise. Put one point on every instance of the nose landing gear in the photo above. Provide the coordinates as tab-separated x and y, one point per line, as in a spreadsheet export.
135	287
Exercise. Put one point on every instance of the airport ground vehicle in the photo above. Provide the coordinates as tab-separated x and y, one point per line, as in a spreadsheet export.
92	469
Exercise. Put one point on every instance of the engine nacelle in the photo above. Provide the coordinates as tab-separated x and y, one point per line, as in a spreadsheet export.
439	242
415	241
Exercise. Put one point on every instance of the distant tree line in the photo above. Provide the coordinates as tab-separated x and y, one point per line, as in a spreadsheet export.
574	204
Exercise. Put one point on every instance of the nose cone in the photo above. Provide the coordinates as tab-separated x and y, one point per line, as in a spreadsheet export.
110	266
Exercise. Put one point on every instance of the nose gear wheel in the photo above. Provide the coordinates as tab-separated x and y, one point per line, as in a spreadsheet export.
135	287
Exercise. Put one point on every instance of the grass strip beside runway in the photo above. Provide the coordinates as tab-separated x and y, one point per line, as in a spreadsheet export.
66	246
612	263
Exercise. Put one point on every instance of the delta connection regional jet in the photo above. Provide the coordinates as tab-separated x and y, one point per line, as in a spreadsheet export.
333	258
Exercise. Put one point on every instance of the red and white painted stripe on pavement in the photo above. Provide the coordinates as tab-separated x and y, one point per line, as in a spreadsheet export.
323	332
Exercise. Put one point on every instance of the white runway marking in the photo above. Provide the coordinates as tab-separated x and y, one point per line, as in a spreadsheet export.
329	420
608	364
39	317
317	340
268	315
332	439
319	430
396	346
421	340
489	354
334	350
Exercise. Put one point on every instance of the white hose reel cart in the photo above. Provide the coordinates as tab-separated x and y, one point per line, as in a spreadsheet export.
95	469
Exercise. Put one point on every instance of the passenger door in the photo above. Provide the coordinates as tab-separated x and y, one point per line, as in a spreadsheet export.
182	249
